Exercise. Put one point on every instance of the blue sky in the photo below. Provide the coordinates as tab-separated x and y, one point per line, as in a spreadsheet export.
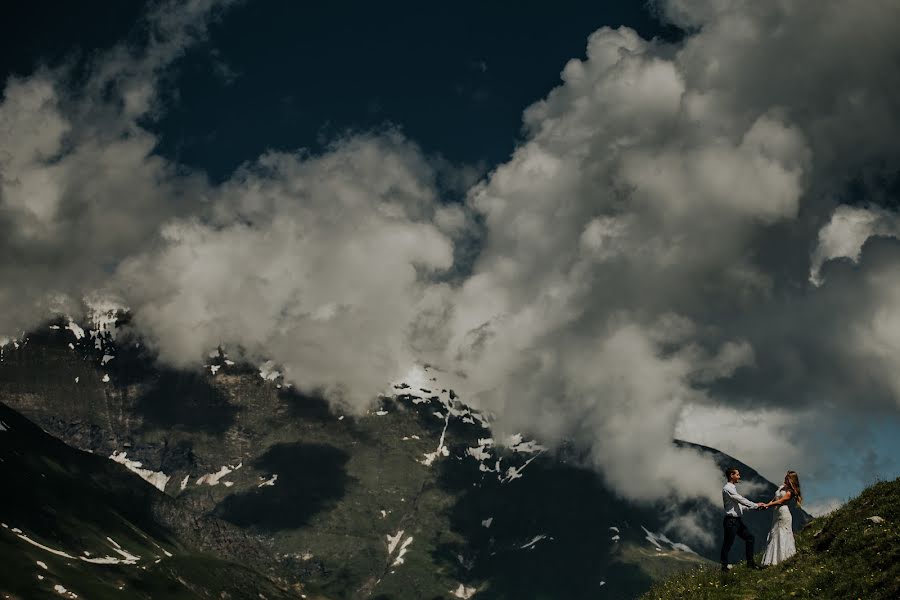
288	75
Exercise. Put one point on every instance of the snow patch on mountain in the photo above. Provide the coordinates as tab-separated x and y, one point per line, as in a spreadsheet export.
535	540
76	330
478	453
267	371
157	479
516	472
441	450
515	443
270	482
393	540
103	314
214	478
659	539
404	548
127	557
463	592
64	592
418	386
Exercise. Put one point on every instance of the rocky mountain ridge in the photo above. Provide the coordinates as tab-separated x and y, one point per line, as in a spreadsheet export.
76	525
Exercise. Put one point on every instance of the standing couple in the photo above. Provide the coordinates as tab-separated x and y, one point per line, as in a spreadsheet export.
780	541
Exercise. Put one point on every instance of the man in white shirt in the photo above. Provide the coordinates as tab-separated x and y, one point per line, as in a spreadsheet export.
735	505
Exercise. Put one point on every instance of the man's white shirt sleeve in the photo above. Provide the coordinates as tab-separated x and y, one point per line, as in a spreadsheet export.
735	503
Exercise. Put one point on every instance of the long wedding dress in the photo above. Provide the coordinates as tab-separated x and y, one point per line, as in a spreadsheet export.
780	542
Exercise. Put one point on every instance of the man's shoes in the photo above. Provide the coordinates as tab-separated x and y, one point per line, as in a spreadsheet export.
726	568
755	567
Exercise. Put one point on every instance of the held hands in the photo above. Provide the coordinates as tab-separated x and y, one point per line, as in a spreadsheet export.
761	506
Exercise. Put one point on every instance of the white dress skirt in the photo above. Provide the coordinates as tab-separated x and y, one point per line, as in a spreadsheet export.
780	542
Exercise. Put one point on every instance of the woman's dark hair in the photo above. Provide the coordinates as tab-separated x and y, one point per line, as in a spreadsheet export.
794	485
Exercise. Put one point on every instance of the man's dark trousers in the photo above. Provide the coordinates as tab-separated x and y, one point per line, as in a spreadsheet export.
734	526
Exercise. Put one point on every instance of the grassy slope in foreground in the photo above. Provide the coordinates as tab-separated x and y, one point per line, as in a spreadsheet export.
842	555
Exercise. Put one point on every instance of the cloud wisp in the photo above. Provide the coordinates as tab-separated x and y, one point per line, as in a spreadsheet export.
657	256
79	184
320	263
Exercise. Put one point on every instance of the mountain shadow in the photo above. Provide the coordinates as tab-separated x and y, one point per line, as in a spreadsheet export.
311	478
548	536
560	532
304	406
179	400
167	398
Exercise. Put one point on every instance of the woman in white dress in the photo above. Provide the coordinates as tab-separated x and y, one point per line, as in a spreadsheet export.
780	542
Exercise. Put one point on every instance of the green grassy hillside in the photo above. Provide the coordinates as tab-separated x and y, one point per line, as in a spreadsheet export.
842	555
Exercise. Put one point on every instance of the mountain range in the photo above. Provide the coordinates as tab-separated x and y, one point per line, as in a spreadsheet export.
220	480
